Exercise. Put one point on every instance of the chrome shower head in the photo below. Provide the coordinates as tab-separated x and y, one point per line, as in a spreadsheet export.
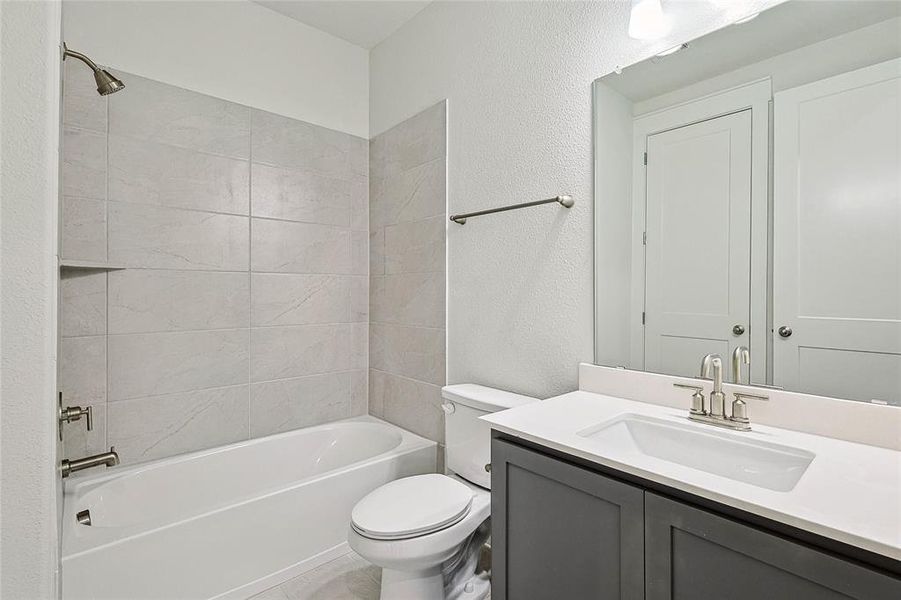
107	83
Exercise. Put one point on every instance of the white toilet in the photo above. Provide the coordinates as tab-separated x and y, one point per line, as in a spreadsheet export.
424	531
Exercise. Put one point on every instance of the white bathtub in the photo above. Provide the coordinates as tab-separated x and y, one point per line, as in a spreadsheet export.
231	521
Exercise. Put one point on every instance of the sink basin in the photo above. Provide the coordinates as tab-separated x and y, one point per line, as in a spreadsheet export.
726	454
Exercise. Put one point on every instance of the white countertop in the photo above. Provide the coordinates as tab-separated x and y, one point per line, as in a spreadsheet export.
850	492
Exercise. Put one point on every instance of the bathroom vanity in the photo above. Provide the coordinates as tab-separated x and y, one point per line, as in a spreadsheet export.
598	496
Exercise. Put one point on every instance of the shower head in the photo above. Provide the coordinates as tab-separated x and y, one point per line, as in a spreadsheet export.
107	83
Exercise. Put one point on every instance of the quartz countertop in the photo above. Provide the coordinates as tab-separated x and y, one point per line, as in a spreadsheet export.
850	492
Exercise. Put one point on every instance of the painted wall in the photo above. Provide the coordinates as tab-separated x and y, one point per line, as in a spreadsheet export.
232	49
29	163
242	307
407	222
517	76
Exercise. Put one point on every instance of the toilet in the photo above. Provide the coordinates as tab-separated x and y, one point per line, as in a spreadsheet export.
426	531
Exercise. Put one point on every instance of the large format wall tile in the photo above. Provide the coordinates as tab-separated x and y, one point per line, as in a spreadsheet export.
408	196
82	372
149	428
414	352
412	404
83	107
296	351
168	238
288	299
285	247
408	299
415	247
82	303
285	142
277	406
416	141
147	364
158	112
84	164
303	195
142	300
83	229
150	173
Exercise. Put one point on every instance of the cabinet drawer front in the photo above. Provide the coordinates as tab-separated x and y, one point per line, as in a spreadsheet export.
692	554
560	531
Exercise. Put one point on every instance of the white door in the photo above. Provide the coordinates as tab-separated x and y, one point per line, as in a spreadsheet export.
837	236
698	255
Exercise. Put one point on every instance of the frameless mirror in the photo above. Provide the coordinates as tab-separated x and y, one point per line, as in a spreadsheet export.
748	195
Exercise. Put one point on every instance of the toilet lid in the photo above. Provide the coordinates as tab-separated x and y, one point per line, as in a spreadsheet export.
411	507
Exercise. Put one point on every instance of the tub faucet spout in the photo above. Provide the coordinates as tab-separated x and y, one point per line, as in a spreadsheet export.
110	459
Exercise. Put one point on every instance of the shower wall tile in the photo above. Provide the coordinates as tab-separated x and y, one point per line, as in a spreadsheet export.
408	299
411	404
84	163
83	229
303	195
409	195
286	247
284	142
82	371
149	428
407	221
148	364
83	107
297	351
143	300
288	299
168	238
415	352
277	406
82	303
415	247
146	172
158	112
244	305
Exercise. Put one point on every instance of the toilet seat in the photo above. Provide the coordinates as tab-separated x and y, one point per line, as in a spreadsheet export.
412	507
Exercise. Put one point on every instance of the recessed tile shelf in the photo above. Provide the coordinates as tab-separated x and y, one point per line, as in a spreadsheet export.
89	264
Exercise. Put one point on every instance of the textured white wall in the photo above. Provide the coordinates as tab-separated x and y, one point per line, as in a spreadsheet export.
29	163
517	76
232	49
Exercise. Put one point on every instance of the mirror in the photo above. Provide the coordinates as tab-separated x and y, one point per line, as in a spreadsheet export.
748	195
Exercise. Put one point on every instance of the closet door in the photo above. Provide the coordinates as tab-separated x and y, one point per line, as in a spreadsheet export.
837	236
697	289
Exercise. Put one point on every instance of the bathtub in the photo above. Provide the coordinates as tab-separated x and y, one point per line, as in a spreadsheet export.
231	521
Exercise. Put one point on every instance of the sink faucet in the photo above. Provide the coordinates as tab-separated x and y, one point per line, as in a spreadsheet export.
714	362
110	459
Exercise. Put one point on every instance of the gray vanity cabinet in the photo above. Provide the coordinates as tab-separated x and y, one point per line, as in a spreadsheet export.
564	531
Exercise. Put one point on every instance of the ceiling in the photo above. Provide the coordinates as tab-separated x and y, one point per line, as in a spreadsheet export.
364	23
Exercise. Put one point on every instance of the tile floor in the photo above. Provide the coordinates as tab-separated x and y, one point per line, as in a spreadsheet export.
347	577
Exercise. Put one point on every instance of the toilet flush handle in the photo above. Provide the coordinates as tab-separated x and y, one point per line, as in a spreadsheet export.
448	407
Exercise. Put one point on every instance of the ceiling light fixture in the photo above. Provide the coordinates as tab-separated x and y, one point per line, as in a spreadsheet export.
647	20
672	50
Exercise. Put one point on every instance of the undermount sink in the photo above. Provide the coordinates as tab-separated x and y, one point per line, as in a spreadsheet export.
730	455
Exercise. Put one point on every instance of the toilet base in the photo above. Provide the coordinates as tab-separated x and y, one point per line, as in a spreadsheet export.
403	585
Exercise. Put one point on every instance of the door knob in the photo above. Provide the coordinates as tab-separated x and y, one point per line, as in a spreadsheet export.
738	329
785	331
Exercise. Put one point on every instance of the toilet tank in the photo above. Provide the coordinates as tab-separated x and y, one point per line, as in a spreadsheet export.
468	439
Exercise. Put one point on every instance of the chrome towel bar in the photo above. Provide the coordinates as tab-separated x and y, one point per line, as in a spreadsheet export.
566	201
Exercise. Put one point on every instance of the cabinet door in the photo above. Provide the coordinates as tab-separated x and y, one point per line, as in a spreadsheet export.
560	531
695	555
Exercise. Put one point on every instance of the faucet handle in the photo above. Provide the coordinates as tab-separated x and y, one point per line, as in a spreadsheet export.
740	407
697	399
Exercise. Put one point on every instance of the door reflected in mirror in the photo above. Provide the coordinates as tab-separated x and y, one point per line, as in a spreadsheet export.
748	203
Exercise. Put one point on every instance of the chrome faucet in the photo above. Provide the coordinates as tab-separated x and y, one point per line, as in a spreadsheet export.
110	459
712	369
741	355
714	363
